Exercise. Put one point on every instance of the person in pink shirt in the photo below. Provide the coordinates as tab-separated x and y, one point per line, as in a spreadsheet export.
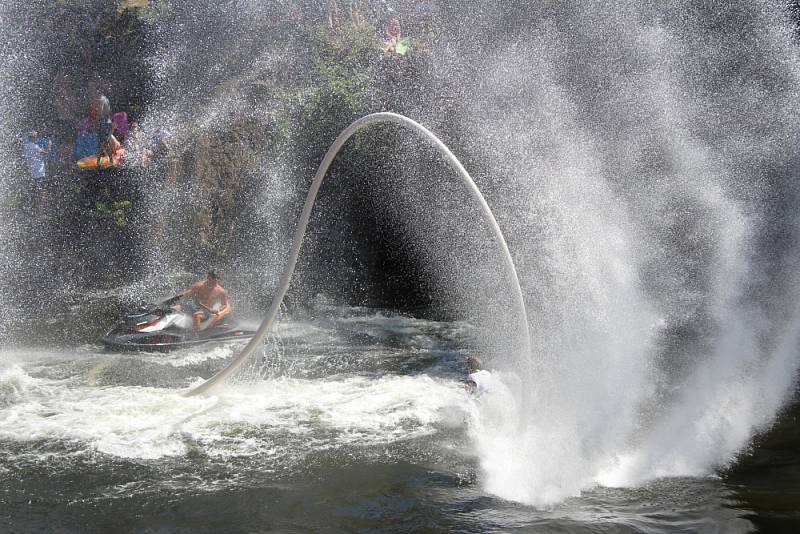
391	30
120	120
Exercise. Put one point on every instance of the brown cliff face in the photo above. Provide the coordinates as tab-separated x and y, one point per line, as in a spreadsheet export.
214	170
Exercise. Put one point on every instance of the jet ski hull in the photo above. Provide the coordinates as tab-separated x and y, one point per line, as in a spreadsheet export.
158	328
165	342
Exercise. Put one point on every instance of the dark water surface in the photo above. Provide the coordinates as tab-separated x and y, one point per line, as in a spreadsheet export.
354	424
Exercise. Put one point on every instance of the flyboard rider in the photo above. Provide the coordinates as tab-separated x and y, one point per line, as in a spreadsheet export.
479	380
207	299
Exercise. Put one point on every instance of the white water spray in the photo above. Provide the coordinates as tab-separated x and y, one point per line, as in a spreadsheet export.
283	285
656	217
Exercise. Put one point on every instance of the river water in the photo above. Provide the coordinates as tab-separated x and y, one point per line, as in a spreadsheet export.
356	421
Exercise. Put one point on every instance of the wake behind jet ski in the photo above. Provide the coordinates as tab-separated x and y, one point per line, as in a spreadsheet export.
195	316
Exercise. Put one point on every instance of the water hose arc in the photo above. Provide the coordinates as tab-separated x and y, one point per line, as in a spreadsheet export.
286	276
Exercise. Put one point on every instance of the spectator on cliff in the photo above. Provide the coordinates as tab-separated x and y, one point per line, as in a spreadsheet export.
104	128
84	125
86	140
120	126
391	33
36	156
116	150
393	41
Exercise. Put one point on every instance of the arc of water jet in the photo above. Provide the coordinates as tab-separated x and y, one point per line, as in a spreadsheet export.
299	234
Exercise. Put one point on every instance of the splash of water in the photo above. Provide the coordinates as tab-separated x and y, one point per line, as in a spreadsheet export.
654	154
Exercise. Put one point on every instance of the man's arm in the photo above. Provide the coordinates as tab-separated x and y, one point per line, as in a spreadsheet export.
226	304
192	291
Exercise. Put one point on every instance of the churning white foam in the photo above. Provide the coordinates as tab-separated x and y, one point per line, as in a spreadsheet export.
243	420
193	356
13	385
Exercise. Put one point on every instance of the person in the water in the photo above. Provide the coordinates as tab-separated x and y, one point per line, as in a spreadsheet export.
208	299
479	380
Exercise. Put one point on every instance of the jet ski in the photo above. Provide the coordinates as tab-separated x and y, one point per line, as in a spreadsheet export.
164	327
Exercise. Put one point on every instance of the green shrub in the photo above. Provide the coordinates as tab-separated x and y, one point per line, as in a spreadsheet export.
116	211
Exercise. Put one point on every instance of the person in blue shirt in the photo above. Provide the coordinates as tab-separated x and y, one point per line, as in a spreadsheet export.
35	157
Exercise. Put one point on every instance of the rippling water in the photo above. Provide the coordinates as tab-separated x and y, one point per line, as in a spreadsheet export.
356	422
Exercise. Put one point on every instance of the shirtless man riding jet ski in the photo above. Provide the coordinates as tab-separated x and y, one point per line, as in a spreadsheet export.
207	299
